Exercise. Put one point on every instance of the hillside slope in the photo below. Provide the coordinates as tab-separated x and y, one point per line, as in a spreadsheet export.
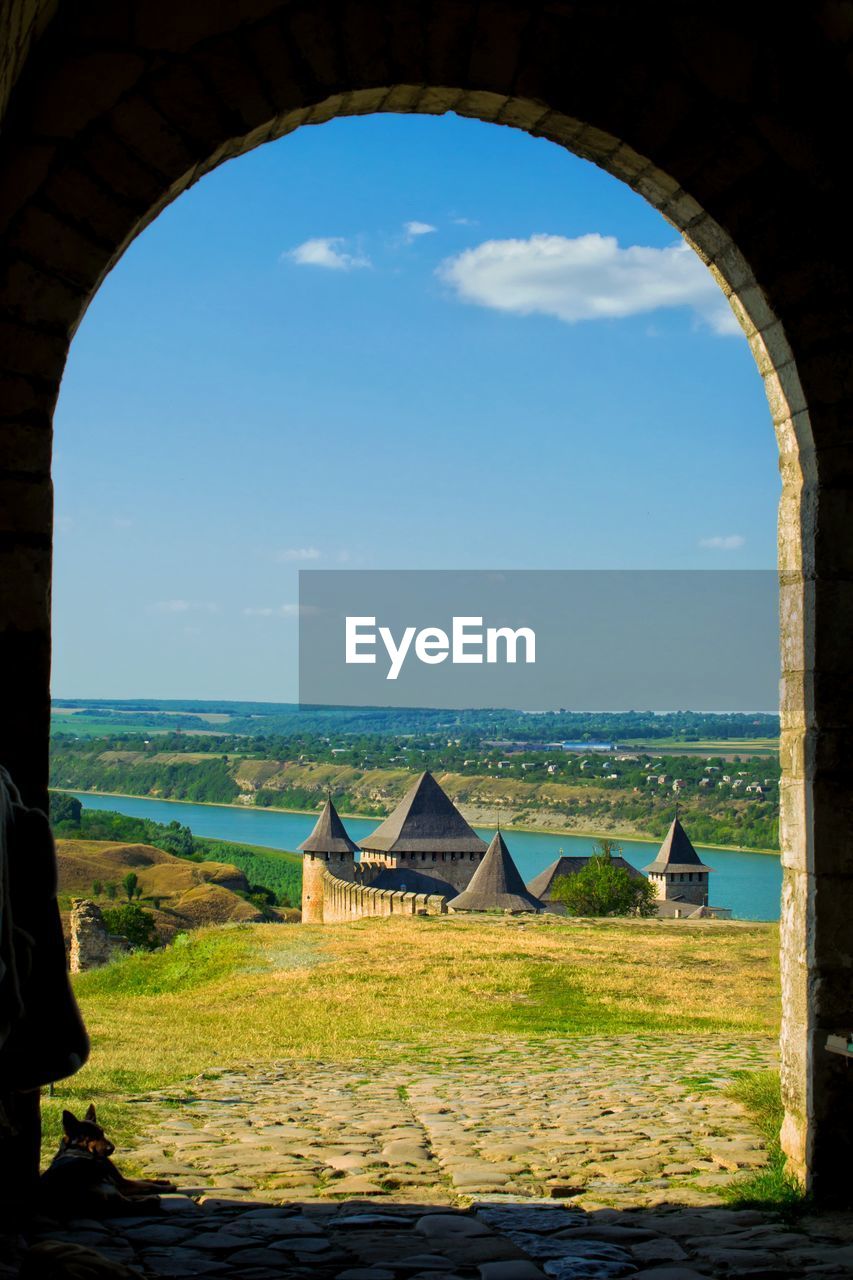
188	894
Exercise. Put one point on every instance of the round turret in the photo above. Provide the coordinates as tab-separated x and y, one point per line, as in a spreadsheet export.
327	851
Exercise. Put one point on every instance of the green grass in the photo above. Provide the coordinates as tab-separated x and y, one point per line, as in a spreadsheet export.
773	1186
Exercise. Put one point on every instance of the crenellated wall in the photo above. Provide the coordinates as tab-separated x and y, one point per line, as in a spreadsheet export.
348	900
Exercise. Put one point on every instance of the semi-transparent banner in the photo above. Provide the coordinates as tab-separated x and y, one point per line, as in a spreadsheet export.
537	640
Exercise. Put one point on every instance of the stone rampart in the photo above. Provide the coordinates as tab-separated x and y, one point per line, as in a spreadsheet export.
345	900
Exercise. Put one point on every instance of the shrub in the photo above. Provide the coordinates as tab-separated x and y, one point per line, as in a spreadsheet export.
134	923
602	889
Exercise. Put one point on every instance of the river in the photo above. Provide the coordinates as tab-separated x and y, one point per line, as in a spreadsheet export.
749	883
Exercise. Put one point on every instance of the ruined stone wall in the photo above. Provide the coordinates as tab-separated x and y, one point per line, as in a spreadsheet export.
346	900
91	944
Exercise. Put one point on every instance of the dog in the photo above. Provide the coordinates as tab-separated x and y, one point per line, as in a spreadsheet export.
82	1180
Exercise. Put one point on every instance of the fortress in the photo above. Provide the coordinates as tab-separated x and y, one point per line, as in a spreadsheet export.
425	859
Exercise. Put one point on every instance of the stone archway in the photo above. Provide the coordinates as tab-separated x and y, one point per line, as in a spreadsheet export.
114	107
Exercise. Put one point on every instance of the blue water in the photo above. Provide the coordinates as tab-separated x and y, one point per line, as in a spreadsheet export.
749	883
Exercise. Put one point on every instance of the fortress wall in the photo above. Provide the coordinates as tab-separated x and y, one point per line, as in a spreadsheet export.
455	869
345	900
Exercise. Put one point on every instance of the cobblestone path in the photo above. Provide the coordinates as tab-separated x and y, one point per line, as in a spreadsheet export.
576	1160
620	1122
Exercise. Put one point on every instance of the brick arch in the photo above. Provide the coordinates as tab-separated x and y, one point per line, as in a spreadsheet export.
114	107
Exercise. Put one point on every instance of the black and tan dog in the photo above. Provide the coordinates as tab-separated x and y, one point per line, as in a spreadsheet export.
82	1180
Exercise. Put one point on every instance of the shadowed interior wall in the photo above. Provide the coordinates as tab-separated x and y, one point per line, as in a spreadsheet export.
720	116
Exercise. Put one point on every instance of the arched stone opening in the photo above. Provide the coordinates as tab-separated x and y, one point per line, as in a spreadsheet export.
113	109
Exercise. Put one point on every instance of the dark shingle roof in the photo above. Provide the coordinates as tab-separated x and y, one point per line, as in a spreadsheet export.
410	881
329	834
496	885
676	853
540	886
425	821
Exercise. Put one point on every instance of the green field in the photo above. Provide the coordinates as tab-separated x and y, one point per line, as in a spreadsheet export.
725	747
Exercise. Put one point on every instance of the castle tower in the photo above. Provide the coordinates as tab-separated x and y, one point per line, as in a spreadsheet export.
426	833
328	848
677	873
496	885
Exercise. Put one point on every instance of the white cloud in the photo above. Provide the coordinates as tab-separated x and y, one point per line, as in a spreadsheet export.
273	611
292	555
723	542
415	229
323	251
185	606
590	277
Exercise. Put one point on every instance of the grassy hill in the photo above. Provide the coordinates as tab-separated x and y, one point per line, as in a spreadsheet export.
189	894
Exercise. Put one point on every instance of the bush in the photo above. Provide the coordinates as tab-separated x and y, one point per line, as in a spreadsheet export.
602	889
134	923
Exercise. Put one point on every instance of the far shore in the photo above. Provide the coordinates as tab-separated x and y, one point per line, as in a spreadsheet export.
471	816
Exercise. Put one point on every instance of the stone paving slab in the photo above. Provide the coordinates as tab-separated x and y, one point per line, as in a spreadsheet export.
617	1122
528	1240
570	1160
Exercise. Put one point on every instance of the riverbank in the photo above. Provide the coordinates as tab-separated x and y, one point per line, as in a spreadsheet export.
478	817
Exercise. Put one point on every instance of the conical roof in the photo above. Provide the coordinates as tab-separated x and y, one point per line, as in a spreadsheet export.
496	885
676	853
329	834
425	821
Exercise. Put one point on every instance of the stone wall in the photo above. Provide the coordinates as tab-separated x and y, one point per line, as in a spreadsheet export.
347	900
454	868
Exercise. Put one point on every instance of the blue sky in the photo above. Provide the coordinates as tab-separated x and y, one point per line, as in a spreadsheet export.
387	342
